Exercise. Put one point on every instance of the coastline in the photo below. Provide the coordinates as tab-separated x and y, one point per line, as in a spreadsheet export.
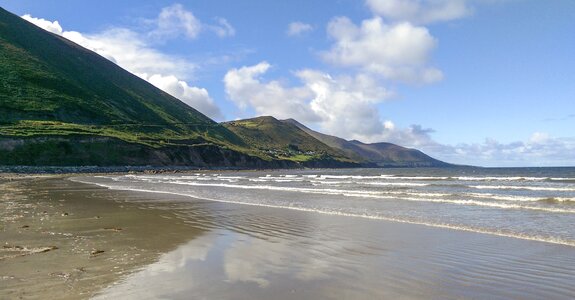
67	240
155	244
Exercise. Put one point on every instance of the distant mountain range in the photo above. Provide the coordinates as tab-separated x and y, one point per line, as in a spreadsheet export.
378	154
63	105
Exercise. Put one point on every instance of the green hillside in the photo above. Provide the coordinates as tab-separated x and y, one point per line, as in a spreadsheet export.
62	104
47	77
281	140
376	154
49	85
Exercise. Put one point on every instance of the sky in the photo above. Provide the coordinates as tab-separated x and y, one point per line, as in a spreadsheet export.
477	82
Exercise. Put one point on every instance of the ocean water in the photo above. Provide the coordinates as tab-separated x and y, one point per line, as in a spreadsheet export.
524	203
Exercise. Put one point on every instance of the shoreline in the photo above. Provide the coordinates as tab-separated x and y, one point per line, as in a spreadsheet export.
92	170
68	240
442	226
143	234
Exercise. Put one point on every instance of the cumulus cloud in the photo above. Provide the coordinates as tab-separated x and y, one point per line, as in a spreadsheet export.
413	136
53	27
298	28
343	105
129	50
346	105
195	97
420	11
246	88
223	29
538	150
175	20
132	52
398	52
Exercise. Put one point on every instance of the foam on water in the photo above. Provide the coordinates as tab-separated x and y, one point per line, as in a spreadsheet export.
395	183
518	198
533	204
517	187
442	198
498	178
367	215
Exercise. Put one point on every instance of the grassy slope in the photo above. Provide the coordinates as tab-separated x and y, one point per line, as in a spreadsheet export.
382	154
51	86
61	104
283	140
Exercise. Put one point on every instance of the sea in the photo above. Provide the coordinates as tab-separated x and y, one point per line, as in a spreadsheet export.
422	233
524	203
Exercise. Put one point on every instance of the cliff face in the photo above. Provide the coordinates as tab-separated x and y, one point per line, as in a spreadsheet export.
107	151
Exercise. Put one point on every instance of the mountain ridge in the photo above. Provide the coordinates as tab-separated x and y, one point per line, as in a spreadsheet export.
62	104
380	154
283	140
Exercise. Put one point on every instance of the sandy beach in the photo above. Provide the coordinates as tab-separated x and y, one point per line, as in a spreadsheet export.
65	240
68	240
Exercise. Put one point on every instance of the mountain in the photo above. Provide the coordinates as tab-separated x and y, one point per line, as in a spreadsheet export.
378	154
47	77
61	104
285	141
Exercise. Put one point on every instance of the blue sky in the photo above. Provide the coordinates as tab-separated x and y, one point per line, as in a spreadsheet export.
481	82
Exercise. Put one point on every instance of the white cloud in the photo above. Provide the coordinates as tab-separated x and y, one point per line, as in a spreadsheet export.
414	136
197	98
223	29
397	52
245	87
344	105
298	28
539	138
540	149
131	51
420	11
53	27
175	20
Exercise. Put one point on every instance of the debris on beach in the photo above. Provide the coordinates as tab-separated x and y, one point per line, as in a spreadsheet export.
116	229
17	251
96	252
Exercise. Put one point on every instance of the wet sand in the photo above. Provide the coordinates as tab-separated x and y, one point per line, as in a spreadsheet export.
172	247
66	240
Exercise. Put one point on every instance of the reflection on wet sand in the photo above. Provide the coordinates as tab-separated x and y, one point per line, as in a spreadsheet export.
263	253
66	240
